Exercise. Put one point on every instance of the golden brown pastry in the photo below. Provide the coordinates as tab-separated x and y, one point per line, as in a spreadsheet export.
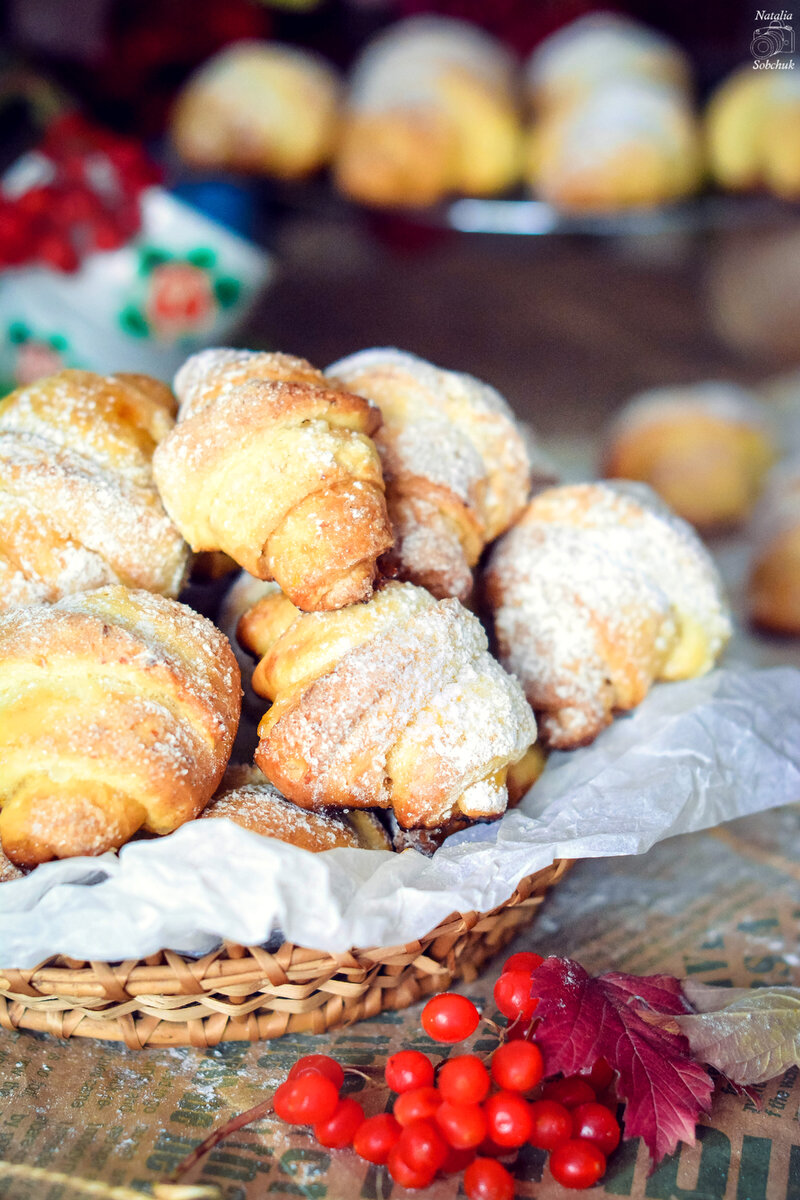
78	504
454	459
520	777
598	49
627	144
272	464
705	449
431	110
753	132
248	799
259	106
597	592
392	704
773	586
118	710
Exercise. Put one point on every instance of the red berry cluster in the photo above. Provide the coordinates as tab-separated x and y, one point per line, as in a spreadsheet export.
90	200
466	1114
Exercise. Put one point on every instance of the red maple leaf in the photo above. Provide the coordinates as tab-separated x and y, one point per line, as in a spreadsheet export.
584	1018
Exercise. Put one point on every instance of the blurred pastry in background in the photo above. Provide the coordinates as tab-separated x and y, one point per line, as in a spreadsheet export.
247	798
753	132
118	713
272	464
597	592
780	395
431	110
596	50
704	448
262	107
78	502
773	587
454	459
629	143
392	704
753	291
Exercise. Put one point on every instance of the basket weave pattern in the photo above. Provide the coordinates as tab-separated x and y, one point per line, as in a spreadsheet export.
247	993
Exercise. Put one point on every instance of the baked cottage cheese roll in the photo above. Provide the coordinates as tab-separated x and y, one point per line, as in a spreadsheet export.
78	503
773	587
259	106
118	710
247	798
597	592
705	449
392	704
629	143
753	132
454	458
274	465
431	109
598	49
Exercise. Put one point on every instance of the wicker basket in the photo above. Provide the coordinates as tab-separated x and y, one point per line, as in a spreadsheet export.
247	993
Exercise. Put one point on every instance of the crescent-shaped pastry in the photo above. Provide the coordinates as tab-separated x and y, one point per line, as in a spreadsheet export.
118	710
78	503
598	591
248	799
454	458
273	465
431	109
629	143
598	49
773	585
392	704
261	107
705	449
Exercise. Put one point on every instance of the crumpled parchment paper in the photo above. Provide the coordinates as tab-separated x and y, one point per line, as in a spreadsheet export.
693	755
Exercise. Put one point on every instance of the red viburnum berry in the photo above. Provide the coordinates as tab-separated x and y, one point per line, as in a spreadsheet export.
517	1066
463	1080
487	1179
512	995
577	1164
374	1139
339	1130
450	1017
408	1069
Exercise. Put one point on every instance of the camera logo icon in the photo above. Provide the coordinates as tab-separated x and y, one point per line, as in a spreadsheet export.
772	39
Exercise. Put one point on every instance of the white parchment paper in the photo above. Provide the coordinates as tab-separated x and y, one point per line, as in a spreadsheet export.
691	756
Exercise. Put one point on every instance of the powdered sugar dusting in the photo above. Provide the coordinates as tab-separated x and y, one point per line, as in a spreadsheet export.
212	374
79	505
598	47
448	444
402	67
410	718
593	591
250	800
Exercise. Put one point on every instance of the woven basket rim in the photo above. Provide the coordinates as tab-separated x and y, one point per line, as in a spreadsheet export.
247	992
